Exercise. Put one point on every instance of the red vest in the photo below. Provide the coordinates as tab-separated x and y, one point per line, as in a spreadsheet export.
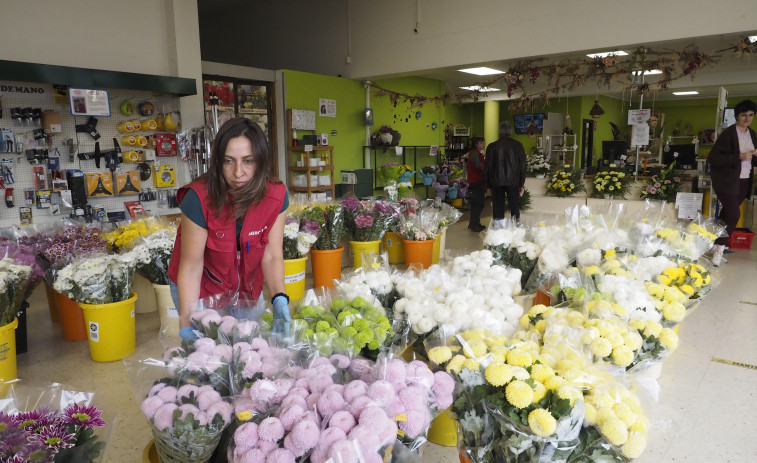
475	175
225	268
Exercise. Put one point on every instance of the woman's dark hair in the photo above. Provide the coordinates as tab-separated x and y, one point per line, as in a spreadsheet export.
744	107
252	193
475	140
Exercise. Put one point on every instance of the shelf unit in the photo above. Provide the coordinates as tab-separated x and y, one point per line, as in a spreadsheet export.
562	144
313	160
412	156
457	142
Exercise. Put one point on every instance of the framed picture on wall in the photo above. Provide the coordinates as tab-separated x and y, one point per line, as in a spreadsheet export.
707	136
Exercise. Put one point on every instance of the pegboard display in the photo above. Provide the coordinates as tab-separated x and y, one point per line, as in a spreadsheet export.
28	179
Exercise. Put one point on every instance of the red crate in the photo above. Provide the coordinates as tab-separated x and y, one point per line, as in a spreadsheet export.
741	238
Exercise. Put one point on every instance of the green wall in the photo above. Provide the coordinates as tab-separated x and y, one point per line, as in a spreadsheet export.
303	91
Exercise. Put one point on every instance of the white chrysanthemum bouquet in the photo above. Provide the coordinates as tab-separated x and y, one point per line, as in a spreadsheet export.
99	279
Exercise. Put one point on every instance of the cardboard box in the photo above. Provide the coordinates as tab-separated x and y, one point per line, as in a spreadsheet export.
51	121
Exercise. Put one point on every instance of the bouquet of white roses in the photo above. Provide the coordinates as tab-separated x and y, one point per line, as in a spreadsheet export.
100	279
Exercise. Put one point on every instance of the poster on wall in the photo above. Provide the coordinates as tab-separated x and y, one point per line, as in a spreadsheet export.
88	102
327	107
638	116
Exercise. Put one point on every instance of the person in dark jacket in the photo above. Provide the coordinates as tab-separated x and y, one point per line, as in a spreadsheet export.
732	160
476	181
505	172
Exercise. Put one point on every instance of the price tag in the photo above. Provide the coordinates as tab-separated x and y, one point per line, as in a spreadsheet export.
308	148
398	150
244	415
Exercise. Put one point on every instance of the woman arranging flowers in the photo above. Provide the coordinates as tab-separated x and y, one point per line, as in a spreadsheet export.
232	228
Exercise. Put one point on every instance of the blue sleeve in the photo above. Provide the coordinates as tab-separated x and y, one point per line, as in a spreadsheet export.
286	201
192	208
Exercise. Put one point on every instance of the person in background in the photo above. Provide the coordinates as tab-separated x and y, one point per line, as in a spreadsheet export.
732	159
232	227
476	181
505	172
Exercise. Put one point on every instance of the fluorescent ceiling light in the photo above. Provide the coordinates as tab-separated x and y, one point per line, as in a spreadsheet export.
481	71
605	54
693	92
480	89
752	38
649	72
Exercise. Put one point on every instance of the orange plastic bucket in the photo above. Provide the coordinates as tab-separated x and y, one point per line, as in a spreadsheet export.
327	266
52	303
418	252
71	319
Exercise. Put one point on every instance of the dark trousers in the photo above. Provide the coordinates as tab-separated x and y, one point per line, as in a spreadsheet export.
730	213
512	192
477	194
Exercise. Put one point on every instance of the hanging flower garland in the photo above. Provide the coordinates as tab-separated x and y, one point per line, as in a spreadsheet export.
569	74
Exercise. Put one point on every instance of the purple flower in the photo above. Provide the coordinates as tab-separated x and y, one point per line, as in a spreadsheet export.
676	179
87	416
207	398
290	415
150	405
340	361
366	439
304	436
355	389
163	417
382	392
221	408
167	394
280	456
330	403
359	404
417	421
186	409
657	185
342	420
344	451
250	456
653	190
271	429
364	221
667	182
56	437
310	227
292	399
246	435
34	419
350	203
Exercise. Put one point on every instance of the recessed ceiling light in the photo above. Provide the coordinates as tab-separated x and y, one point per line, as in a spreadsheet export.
752	38
478	88
482	71
692	92
649	72
605	54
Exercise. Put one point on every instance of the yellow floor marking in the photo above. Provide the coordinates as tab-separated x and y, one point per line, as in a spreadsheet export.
736	364
747	302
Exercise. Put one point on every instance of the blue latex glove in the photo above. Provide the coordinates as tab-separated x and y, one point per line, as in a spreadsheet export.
188	333
281	317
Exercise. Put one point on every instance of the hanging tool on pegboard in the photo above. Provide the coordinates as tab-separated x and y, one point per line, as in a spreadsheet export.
194	147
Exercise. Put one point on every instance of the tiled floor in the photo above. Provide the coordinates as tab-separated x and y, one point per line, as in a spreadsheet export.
712	405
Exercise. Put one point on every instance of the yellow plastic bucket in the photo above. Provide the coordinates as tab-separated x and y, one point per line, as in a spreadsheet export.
360	247
8	370
437	248
443	430
457	202
393	246
294	277
111	328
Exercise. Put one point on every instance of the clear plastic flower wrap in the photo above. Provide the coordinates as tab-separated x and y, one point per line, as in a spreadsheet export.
338	409
330	218
97	279
344	326
300	232
14	280
50	423
422	226
469	292
152	254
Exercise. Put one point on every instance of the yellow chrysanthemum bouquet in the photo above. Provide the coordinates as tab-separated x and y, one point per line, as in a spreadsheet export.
612	183
690	278
657	343
564	183
127	236
508	390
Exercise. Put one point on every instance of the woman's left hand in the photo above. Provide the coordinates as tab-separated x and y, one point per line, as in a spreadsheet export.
281	316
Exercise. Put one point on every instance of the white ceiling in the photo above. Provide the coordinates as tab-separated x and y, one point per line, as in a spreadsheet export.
737	74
